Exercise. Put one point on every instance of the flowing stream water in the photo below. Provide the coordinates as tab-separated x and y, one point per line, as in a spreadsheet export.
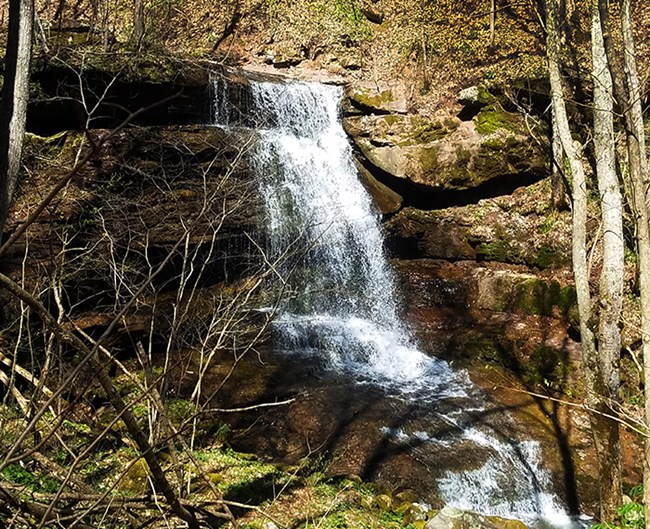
341	312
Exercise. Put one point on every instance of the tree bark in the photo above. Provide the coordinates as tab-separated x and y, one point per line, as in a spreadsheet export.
558	194
611	280
493	17
579	185
15	96
138	24
604	369
601	367
638	168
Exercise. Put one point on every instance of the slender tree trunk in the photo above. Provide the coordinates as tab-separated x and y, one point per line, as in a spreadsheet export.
493	17
138	24
558	194
638	165
15	96
601	370
611	282
579	185
605	367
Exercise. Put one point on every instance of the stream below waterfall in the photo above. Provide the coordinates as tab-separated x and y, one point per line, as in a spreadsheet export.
340	313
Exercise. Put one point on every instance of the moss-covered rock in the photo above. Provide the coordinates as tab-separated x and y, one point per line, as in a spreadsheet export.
475	96
493	118
447	154
509	291
376	101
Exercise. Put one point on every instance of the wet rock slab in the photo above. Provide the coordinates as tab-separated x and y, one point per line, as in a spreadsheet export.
402	443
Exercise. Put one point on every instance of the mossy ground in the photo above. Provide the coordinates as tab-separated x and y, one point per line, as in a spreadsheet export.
341	504
299	496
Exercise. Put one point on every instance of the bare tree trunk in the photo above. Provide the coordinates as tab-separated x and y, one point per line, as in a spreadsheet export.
638	164
611	282
138	24
493	16
15	96
601	368
579	187
604	369
558	194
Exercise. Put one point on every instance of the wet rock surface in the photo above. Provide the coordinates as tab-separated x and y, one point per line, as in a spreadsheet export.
400	443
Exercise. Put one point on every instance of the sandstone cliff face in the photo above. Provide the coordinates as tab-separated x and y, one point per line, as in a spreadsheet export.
466	185
174	203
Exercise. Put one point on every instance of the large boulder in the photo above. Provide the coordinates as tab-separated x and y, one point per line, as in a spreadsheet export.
472	313
449	154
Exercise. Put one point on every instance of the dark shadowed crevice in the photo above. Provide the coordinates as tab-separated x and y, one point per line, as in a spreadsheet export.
423	197
60	107
468	113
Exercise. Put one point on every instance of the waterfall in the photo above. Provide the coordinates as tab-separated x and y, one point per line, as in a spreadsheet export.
340	306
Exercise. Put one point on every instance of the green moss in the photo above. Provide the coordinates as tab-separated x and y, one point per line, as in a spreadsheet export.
451	123
533	296
77	427
136	479
391	119
549	223
426	131
511	142
179	410
241	477
361	508
463	156
498	250
549	257
493	118
566	299
366	100
495	144
537	296
484	97
49	148
545	367
486	349
19	475
429	158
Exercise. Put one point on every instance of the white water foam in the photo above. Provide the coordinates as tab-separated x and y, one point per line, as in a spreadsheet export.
497	485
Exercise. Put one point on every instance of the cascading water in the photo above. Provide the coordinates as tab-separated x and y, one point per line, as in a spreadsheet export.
340	307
